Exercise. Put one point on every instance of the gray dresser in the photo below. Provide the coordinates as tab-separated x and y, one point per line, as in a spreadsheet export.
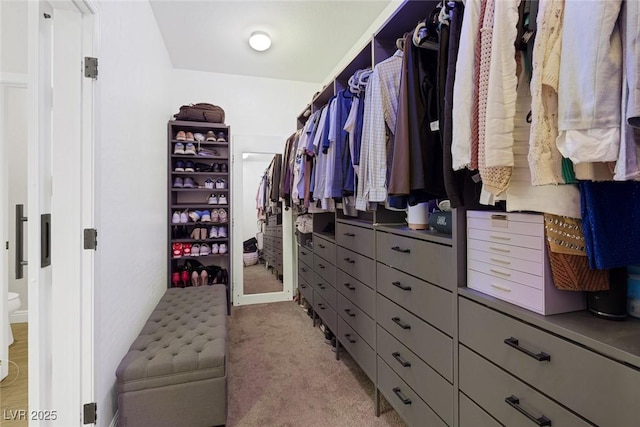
443	354
272	245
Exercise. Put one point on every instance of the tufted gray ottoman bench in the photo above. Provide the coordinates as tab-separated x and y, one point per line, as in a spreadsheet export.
175	371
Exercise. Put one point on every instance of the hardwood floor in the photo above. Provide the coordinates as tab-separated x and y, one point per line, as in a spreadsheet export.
13	394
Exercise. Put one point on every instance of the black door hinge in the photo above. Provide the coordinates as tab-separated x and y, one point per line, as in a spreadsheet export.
90	413
91	67
90	238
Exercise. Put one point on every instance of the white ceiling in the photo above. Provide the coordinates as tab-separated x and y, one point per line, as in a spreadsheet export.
309	37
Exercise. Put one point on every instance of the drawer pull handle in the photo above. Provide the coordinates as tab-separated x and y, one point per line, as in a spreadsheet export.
348	337
302	285
348	286
349	260
500	261
514	402
400	323
349	234
493	270
321	246
493	248
499	216
348	311
502	288
398	393
500	237
321	286
401	286
321	306
540	357
303	252
321	266
399	249
304	270
400	360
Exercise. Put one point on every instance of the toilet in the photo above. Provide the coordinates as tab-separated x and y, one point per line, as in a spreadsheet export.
14	304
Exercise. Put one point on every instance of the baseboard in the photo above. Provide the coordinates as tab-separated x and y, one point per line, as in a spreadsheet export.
19	316
114	421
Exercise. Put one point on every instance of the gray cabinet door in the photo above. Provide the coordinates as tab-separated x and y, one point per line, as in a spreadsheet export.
600	389
364	325
429	261
306	290
325	269
509	400
357	348
471	415
358	266
358	239
306	271
429	302
357	292
404	400
430	386
326	290
305	255
431	345
326	313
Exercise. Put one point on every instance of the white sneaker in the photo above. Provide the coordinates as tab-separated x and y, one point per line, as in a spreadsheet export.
184	217
214	248
222	200
178	148
175	219
209	183
213	199
213	232
222	232
190	148
223	248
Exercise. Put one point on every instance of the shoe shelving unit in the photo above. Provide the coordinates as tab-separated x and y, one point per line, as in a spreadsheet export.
185	202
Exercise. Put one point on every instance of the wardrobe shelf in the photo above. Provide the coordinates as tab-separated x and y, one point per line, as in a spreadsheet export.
178	173
200	223
198	206
217	240
199	189
192	157
210	143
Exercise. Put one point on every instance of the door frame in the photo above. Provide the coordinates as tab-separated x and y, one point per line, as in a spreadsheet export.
61	294
7	81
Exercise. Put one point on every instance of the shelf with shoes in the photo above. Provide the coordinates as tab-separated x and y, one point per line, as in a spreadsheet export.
199	204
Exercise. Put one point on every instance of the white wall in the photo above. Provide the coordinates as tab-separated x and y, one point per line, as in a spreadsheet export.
131	164
13	45
253	168
253	105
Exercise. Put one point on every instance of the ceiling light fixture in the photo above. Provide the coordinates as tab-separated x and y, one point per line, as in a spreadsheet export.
260	41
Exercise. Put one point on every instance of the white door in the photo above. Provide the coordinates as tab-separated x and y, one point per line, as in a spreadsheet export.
60	169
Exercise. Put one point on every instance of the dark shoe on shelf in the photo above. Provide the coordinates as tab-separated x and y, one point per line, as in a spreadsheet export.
224	168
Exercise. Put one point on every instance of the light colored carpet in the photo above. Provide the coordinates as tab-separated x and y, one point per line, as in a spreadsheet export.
258	280
282	373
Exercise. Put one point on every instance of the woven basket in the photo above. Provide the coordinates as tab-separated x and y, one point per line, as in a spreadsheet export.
250	258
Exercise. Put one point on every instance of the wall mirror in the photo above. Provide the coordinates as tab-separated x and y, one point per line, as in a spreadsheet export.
262	241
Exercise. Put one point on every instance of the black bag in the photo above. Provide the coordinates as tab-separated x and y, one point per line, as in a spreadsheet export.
250	245
201	112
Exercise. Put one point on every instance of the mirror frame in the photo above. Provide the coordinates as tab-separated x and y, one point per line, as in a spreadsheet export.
263	145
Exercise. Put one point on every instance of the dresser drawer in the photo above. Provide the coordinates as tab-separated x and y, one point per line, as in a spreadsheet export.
325	269
404	400
427	383
358	239
357	292
506	273
598	388
518	240
514	223
476	373
471	415
431	345
326	313
357	348
364	325
502	260
324	248
306	272
429	302
545	301
325	289
306	290
502	250
429	261
358	266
